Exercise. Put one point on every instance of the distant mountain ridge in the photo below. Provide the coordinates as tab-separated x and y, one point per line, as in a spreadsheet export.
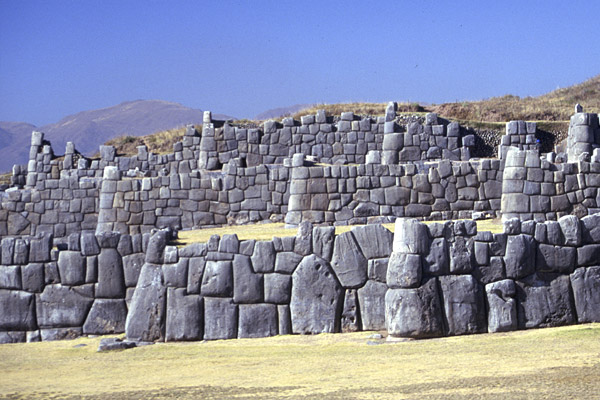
89	129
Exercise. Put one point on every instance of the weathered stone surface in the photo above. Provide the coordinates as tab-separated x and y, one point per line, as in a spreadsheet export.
404	270
217	280
323	241
371	299
247	285
350	321
590	230
303	242
287	261
502	313
278	288
415	313
258	320
145	319
88	244
316	295
555	258
411	236
60	333
106	316
108	239
10	277
492	272
32	277
18	311
12	337
348	262
461	256
519	257
110	344
185	316
463	304
571	229
132	265
176	274
543	304
196	267
62	306
111	281
220	318
586	292
588	255
285	319
263	258
436	262
375	241
377	269
71	267
156	247
39	248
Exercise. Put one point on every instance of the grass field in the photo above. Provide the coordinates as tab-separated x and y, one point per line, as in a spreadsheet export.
270	230
552	363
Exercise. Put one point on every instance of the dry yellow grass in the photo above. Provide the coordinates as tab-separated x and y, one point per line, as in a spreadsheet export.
268	231
537	364
374	109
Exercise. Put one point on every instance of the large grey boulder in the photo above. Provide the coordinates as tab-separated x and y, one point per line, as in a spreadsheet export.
220	318
348	261
519	259
404	270
502	313
132	266
62	306
111	281
410	236
278	288
571	229
323	239
350	312
586	292
559	259
316	297
217	280
258	320
375	241
263	258
18	311
247	285
437	262
10	277
371	300
156	247
415	313
71	267
106	316
145	320
463	304
542	304
461	256
185	316
287	261
196	267
176	275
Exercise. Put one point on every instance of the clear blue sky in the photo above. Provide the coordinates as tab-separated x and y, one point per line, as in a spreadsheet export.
242	57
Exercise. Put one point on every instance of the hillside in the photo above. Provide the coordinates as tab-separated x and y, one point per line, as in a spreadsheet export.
89	129
557	105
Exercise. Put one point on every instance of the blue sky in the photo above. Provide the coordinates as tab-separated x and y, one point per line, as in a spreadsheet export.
242	57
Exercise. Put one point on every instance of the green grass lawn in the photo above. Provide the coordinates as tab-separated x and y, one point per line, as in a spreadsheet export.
550	363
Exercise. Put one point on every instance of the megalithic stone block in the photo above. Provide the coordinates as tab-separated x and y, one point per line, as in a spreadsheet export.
502	303
145	320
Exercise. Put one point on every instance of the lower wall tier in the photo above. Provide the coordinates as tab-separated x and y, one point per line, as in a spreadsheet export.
422	281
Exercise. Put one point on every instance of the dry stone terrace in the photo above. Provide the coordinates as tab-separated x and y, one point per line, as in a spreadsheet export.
85	245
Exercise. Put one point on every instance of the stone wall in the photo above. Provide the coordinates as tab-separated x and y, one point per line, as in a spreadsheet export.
423	281
429	190
584	135
448	279
534	188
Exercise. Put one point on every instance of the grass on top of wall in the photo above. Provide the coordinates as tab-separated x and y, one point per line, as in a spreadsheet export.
267	231
558	363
